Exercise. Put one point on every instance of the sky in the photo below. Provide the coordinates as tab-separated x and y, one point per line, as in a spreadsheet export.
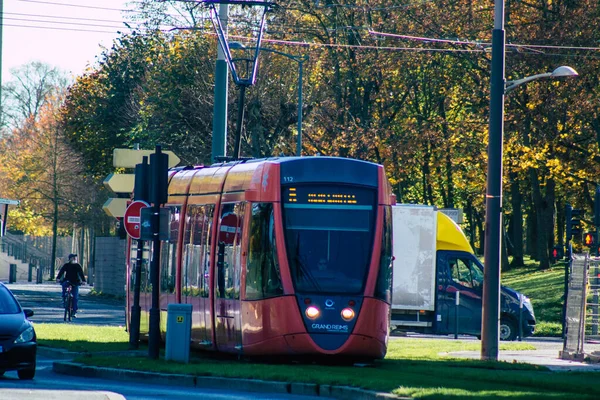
67	34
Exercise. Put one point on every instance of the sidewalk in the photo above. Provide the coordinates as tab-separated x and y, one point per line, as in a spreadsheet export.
546	354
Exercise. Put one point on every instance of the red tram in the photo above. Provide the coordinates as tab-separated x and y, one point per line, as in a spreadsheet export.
278	256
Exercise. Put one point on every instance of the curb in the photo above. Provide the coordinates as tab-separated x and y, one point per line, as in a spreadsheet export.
213	382
56	353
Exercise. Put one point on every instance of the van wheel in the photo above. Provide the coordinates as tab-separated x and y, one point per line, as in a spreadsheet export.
508	330
26	374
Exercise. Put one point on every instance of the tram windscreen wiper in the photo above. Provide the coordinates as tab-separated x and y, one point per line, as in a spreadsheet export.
304	269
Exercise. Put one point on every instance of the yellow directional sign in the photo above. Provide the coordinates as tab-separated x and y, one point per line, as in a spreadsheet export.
120	183
128	158
115	207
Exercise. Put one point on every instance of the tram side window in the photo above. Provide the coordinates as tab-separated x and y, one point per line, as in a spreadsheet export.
197	251
263	279
383	290
191	255
229	251
205	241
168	265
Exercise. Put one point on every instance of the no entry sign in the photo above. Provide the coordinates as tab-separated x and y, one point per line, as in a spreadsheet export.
132	219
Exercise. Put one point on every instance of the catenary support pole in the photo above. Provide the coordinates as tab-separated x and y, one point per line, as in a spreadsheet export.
219	139
493	202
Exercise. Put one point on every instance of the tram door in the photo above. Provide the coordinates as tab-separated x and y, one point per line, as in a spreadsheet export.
195	271
228	273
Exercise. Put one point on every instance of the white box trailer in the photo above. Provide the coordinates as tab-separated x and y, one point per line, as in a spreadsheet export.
414	238
433	261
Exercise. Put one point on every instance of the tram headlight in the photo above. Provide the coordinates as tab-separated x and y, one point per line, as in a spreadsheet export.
347	314
312	312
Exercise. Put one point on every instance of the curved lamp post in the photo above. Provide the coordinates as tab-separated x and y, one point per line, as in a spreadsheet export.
559	72
300	60
493	196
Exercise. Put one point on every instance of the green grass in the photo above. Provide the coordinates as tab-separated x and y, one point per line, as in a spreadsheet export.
545	288
82	338
419	368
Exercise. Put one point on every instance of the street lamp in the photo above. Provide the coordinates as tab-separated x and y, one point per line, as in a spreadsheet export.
559	72
300	60
493	197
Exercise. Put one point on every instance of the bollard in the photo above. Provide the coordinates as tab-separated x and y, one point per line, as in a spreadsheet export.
12	274
40	275
30	273
457	303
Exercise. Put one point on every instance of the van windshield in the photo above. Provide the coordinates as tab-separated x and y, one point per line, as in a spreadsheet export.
329	236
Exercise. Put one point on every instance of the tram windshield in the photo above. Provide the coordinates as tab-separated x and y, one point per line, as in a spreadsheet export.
329	236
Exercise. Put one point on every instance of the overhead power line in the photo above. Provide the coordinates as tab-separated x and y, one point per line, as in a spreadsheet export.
479	46
64	23
75	5
62	17
59	29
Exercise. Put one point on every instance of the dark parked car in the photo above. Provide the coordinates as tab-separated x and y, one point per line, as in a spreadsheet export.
18	343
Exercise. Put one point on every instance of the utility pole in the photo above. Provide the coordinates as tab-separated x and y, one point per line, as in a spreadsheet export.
490	325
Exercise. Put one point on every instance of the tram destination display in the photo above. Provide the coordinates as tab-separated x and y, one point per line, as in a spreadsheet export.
328	195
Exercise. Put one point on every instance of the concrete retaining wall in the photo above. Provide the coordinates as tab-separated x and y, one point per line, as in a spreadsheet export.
109	275
22	268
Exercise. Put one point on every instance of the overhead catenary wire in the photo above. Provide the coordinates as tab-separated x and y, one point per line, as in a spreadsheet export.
480	45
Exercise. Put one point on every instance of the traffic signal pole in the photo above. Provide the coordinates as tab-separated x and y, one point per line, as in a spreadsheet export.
158	196
140	192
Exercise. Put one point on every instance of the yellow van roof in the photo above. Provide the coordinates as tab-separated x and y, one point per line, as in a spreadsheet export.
450	236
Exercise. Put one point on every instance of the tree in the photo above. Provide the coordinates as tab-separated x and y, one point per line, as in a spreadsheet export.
32	86
45	173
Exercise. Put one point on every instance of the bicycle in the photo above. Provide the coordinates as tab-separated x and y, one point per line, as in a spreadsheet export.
68	303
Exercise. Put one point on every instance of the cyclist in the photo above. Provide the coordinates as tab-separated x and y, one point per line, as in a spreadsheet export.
73	275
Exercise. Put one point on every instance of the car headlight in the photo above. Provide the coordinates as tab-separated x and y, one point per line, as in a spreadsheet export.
26	336
527	304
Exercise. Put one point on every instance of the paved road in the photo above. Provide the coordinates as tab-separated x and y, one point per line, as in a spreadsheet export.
45	301
48	385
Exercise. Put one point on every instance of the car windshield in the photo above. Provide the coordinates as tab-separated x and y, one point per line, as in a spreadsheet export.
8	304
329	237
